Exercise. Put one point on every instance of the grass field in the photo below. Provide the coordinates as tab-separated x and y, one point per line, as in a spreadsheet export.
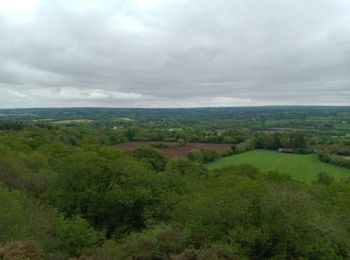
300	166
73	121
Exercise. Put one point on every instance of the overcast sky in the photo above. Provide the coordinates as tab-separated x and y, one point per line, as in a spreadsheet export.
164	53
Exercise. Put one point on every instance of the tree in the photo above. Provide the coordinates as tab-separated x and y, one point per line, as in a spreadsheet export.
153	158
209	155
266	141
130	133
117	195
298	140
13	221
203	155
196	156
262	220
182	165
75	235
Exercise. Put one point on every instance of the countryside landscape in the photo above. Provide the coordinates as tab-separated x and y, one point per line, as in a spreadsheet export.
174	130
207	183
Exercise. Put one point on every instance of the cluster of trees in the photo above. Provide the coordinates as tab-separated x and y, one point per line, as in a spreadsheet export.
11	125
184	134
335	159
335	153
82	199
31	229
295	140
203	155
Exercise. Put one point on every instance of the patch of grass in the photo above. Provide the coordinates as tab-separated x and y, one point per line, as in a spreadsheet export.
43	120
73	121
304	167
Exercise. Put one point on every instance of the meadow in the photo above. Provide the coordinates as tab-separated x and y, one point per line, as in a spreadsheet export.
304	167
73	121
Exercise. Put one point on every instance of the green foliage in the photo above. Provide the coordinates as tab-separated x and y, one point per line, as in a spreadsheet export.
247	145
11	125
245	170
196	156
334	159
159	242
182	165
262	220
215	251
117	195
324	178
203	155
20	250
150	156
13	221
130	134
75	235
70	193
209	155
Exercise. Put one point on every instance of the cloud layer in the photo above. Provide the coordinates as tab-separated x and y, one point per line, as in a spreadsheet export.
153	53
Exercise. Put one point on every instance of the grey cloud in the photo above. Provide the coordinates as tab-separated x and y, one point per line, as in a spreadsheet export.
176	53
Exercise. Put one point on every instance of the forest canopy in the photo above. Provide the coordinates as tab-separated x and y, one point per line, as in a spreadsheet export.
68	191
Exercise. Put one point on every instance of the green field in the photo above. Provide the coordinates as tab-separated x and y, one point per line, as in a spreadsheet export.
300	166
73	121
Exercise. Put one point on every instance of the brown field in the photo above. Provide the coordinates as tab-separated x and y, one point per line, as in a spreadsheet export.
178	151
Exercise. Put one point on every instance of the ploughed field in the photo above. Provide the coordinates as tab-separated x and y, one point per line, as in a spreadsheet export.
304	167
175	151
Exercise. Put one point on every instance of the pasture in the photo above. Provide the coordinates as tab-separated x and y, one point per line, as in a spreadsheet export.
73	121
304	167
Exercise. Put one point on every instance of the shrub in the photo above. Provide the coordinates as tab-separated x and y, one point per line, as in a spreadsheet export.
324	178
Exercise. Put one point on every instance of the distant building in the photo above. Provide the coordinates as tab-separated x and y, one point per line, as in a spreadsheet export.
285	150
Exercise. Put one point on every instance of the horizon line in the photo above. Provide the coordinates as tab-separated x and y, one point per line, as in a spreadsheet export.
194	107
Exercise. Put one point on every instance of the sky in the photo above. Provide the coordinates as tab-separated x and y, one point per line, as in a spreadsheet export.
174	53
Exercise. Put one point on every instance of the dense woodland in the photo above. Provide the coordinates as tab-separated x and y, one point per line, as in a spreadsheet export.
67	191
